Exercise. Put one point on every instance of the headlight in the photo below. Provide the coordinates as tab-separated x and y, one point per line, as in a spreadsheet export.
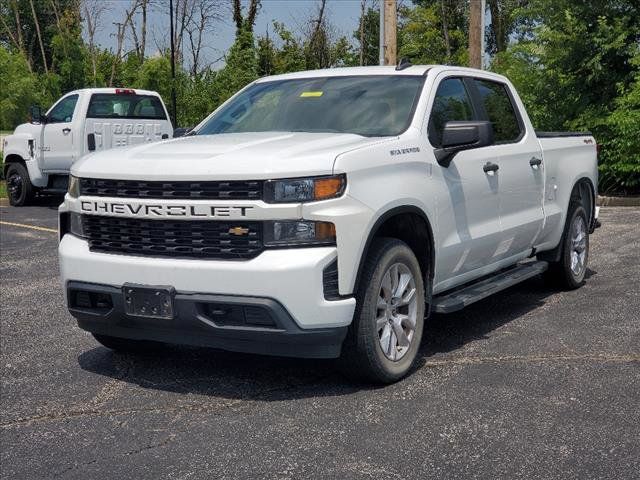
293	232
296	190
74	187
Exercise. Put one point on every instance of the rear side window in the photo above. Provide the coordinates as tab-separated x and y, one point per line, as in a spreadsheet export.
63	110
452	103
108	105
497	104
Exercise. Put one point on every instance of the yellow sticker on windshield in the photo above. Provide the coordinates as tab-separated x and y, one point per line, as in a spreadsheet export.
311	94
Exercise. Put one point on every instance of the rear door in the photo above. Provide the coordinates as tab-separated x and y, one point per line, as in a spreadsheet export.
58	135
521	178
124	118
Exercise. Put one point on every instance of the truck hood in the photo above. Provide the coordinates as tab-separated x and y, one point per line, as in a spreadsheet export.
226	156
28	128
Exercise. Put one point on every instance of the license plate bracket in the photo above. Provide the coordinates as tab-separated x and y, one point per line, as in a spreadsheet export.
149	301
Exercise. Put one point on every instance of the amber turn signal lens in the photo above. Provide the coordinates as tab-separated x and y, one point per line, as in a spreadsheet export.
327	188
325	231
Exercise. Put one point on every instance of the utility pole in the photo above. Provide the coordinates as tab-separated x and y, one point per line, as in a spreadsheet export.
483	9
381	44
173	68
475	33
390	31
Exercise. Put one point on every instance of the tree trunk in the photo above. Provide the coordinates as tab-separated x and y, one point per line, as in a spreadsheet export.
445	31
143	31
498	26
37	24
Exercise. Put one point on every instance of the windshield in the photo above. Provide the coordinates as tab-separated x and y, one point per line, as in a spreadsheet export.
364	105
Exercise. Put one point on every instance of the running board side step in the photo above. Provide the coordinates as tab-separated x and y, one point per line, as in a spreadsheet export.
458	299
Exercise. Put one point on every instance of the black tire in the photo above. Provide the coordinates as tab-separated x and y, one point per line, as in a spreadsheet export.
127	345
561	274
19	188
362	356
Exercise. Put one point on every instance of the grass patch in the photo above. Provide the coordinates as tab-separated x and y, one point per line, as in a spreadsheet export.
3	189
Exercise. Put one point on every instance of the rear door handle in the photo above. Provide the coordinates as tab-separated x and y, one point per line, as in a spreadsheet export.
490	168
66	130
535	162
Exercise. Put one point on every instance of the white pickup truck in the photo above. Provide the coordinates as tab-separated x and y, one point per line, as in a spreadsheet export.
38	156
326	214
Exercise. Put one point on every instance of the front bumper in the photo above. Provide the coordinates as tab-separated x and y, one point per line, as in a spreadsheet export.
265	327
293	277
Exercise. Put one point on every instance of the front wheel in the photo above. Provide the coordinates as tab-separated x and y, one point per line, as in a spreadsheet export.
384	338
19	188
570	270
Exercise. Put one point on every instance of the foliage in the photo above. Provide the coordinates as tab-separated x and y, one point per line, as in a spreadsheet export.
68	52
370	46
422	37
25	89
575	66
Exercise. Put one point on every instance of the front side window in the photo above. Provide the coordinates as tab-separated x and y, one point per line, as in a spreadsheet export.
364	105
128	105
62	112
451	103
497	104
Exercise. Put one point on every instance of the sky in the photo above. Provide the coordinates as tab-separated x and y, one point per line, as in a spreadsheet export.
343	14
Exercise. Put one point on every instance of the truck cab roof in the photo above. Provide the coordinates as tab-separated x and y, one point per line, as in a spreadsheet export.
136	91
412	70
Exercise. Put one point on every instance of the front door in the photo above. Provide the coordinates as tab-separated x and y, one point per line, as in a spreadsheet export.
57	135
468	207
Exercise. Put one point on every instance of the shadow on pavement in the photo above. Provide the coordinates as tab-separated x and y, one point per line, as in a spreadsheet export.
252	377
51	201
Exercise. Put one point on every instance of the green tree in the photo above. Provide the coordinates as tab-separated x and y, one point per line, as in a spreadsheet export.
574	68
22	89
69	56
434	32
367	36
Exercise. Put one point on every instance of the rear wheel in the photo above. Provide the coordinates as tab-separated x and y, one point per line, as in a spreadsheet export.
384	337
127	345
19	188
570	270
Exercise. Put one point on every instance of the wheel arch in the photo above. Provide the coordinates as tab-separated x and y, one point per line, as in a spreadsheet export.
584	192
411	225
10	159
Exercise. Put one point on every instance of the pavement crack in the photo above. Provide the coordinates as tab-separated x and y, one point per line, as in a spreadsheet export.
600	357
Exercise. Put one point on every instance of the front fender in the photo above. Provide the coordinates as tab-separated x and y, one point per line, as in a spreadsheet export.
20	144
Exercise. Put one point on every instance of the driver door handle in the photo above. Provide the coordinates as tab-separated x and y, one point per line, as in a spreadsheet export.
490	168
66	130
535	162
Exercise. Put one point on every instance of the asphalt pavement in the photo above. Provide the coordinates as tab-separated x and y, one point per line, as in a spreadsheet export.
531	383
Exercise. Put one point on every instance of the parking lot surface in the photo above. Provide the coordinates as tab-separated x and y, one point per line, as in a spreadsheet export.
531	383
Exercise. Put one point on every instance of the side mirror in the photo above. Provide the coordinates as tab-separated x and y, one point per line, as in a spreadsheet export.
458	136
181	131
35	112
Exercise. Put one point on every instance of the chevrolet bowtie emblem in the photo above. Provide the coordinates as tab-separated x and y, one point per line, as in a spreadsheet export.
238	231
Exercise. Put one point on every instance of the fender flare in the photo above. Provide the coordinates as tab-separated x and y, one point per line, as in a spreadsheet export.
554	254
374	230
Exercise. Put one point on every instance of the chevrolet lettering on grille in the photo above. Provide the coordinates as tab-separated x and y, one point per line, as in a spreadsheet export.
158	210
